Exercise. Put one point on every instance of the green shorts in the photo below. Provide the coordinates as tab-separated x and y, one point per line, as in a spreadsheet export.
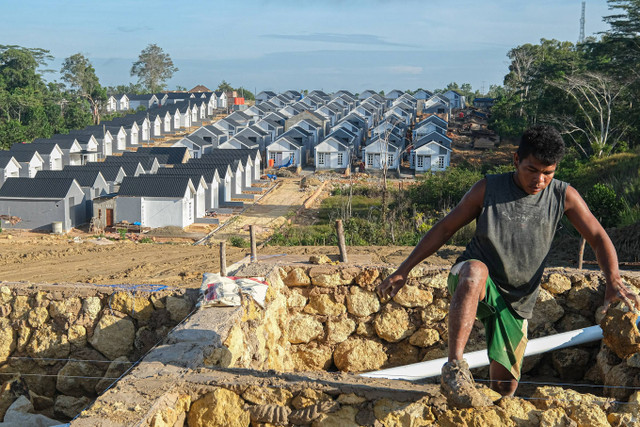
506	333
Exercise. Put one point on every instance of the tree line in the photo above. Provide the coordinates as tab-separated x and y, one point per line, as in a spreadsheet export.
32	107
588	90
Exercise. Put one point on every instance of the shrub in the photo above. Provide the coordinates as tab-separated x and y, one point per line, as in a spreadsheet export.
605	204
239	242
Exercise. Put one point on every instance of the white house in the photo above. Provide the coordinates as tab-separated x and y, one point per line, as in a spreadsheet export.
285	151
332	154
431	153
9	167
380	153
457	99
156	201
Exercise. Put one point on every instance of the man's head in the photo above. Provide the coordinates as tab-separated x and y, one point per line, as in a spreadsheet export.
541	149
542	142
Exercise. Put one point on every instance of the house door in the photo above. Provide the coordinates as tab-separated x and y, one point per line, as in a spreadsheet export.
278	158
376	161
109	219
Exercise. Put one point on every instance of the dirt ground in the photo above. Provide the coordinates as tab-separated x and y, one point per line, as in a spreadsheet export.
175	261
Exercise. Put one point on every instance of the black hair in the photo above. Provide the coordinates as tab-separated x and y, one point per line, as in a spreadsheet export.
542	142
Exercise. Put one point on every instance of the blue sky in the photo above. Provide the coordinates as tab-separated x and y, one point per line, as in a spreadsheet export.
302	44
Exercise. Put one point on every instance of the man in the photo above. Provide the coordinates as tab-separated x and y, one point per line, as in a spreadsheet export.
497	278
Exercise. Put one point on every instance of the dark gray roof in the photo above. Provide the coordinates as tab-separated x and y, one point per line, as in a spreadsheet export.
145	161
41	148
136	97
214	130
194	174
174	155
109	172
86	177
20	156
63	143
154	186
49	188
196	140
4	159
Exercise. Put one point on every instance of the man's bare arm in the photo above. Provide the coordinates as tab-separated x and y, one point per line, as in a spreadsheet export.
588	226
466	211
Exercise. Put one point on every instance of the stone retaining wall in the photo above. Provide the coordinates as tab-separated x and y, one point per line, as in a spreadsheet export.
64	345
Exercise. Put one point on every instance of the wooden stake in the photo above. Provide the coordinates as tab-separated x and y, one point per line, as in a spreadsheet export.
341	244
223	259
254	251
581	252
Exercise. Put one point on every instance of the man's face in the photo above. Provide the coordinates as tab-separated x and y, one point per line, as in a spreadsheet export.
532	175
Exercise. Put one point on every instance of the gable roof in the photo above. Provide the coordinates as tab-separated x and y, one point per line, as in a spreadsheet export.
41	188
109	172
41	147
154	186
200	88
84	177
21	156
174	155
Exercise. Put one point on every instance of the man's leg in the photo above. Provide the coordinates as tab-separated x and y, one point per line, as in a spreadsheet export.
501	379
456	381
464	304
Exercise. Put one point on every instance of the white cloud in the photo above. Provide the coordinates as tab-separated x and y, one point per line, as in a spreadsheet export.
405	69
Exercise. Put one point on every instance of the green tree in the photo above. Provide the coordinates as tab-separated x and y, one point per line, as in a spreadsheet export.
224	86
80	75
153	68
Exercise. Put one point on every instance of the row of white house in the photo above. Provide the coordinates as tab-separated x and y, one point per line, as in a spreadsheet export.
127	102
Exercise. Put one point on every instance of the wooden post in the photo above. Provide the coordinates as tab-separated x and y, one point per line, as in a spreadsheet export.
223	259
254	251
341	244
581	252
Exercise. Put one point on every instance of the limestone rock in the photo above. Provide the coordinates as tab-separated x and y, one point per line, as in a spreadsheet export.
344	417
8	338
520	411
37	316
20	307
269	414
367	278
491	416
157	301
20	414
24	335
296	300
319	259
77	335
138	307
217	357
236	344
556	417
557	284
309	397
571	363
402	353
425	337
311	357
47	344
573	321
392	323
350	399
620	332
267	396
9	392
115	370
547	310
622	379
325	278
297	277
366	329
361	302
65	311
413	296
359	355
79	378
178	308
113	336
400	414
585	299
217	408
92	306
69	406
339	330
40	402
6	296
304	328
548	397
588	415
434	312
324	304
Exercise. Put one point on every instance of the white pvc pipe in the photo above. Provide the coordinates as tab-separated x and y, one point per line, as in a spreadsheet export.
476	359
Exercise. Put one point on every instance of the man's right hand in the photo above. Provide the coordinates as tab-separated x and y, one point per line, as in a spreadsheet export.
391	285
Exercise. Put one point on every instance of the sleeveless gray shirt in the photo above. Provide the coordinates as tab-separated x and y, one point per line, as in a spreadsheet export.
513	236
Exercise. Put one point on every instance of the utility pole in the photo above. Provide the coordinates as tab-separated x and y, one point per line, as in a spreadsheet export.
581	36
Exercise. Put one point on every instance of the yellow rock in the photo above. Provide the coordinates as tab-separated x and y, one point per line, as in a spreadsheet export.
296	300
557	283
220	407
235	344
350	399
410	414
521	412
138	307
358	355
491	416
434	312
20	306
308	397
392	323
7	339
425	337
344	417
311	357
361	302
412	296
37	316
556	417
297	277
267	396
304	328
339	330
325	305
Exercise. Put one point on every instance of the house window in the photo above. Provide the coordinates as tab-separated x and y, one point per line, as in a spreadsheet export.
441	162
340	157
369	159
420	161
272	155
390	159
321	158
